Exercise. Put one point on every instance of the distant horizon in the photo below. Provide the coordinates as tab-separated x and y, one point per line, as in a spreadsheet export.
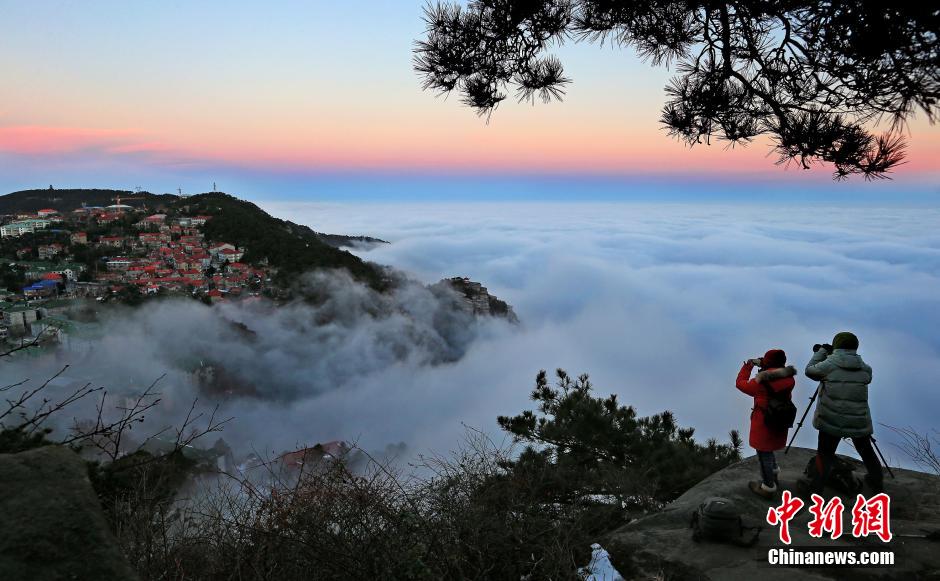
267	109
401	187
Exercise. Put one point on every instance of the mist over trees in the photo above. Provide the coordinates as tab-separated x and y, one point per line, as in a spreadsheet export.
814	77
480	512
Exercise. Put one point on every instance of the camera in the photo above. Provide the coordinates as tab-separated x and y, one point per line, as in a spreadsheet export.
825	346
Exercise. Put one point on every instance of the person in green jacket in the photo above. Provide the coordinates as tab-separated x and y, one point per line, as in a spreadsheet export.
842	410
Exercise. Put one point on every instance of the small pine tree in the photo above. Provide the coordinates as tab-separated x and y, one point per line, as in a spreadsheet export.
584	444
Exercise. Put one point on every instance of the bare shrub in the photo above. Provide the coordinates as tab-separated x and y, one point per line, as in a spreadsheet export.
460	516
921	448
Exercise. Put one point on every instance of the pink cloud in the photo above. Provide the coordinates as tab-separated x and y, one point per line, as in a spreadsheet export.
583	152
39	140
43	140
57	143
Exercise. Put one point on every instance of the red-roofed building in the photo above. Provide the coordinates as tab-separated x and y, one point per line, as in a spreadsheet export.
45	212
154	221
191	274
202	259
229	254
79	238
111	241
219	246
50	250
152	238
309	457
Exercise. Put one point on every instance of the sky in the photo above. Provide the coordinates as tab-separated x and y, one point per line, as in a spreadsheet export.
317	100
312	109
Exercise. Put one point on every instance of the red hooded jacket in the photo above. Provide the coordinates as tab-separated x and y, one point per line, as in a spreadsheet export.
779	379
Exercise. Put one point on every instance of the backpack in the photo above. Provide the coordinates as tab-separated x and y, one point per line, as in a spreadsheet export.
780	413
841	475
718	520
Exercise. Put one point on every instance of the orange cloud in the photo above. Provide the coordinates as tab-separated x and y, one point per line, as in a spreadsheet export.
484	149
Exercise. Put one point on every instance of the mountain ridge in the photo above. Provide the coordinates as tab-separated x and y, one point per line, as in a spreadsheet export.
69	199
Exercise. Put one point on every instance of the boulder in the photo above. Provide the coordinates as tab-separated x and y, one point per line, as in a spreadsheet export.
51	523
660	545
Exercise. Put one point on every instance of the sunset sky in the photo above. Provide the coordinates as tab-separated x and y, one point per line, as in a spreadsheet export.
317	99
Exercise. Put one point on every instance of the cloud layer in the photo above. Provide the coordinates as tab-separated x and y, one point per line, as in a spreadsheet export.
658	303
661	303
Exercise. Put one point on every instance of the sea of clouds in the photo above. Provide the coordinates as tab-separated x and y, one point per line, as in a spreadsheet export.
660	304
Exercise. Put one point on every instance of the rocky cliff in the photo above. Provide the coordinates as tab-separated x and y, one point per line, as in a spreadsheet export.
476	299
51	524
660	546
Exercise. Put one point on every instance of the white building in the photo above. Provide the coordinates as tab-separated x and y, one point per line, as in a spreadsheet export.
22	227
119	263
19	317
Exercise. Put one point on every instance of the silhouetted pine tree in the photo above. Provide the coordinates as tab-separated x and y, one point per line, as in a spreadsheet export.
811	75
582	445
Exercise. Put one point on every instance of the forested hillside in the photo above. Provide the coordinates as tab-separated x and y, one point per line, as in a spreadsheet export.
292	249
66	200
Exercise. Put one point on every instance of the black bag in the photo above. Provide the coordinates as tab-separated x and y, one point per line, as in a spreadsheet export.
780	413
841	475
718	520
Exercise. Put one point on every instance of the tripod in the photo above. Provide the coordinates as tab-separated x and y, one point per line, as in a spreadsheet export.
800	425
874	443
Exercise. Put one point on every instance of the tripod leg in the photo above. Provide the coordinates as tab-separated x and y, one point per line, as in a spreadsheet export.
802	419
880	455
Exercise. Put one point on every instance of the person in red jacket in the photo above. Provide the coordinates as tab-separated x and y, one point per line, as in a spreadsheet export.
774	374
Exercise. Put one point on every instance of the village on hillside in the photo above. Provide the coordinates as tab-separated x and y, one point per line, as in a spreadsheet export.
52	262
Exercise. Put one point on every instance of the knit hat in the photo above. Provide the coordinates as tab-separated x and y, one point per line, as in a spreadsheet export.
774	358
845	340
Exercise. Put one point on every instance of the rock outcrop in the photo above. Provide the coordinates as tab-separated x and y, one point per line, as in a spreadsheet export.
476	299
51	523
660	546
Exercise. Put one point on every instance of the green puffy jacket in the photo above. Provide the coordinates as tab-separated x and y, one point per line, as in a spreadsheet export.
843	393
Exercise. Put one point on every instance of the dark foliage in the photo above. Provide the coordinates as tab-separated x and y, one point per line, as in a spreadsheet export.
18	439
339	240
12	278
129	295
468	519
160	476
813	76
66	200
588	445
290	248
